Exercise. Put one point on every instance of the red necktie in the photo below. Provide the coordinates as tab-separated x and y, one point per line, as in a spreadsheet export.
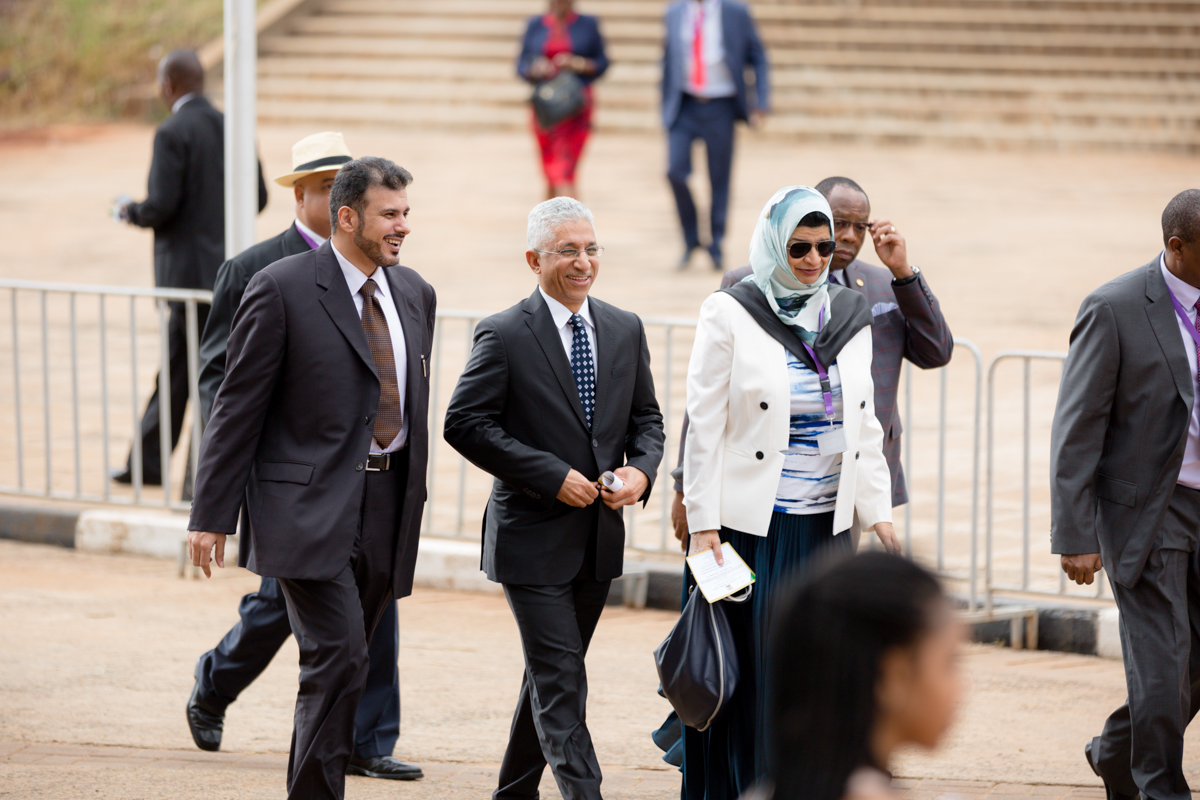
698	49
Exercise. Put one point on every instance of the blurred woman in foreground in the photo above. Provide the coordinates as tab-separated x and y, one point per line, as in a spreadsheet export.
864	659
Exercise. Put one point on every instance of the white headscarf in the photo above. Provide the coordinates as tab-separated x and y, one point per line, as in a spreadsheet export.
796	303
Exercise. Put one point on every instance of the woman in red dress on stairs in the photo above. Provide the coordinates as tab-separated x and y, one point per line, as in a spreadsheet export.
563	40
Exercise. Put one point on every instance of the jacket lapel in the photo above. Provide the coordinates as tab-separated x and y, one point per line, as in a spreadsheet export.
1165	324
340	306
542	325
406	309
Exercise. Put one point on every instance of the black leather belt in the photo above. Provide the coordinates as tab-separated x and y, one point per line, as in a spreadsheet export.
382	462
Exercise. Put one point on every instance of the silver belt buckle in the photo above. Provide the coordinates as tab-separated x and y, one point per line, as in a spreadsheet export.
387	461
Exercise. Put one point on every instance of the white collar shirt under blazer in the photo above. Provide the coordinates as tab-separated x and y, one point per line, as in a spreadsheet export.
1187	295
733	457
383	291
562	321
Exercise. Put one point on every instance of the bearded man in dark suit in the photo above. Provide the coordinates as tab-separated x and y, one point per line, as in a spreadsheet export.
185	206
556	392
319	440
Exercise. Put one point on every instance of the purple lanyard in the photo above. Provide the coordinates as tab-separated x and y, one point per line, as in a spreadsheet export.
827	388
304	236
1187	323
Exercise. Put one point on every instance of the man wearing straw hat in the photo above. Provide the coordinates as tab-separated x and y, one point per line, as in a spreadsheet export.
225	671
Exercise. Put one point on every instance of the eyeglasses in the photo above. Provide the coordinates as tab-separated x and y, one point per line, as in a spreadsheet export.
572	253
842	224
801	249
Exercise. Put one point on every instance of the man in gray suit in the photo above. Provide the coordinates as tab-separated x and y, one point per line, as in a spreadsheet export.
1125	493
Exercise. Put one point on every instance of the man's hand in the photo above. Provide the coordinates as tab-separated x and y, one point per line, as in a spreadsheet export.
1082	568
679	520
758	118
707	540
577	490
635	486
887	537
891	248
201	544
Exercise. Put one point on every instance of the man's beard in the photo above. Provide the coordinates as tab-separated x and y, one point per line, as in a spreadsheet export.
372	249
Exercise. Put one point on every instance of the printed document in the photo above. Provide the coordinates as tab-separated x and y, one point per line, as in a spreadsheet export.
718	582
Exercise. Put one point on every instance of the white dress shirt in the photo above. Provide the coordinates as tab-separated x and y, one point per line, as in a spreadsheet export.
562	321
181	102
319	239
355	280
1187	295
718	80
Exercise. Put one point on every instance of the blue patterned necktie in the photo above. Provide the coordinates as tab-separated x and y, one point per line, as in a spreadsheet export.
582	367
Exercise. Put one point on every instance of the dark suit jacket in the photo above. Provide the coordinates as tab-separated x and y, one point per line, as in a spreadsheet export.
292	423
743	50
907	323
185	203
1121	424
586	41
516	414
232	278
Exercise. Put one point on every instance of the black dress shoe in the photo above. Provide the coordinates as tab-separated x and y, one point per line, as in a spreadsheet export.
717	260
384	767
205	722
125	476
1110	792
687	257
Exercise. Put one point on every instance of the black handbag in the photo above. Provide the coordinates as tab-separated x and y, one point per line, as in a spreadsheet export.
697	662
559	98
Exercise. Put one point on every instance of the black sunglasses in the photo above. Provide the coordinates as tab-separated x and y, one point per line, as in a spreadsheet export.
800	249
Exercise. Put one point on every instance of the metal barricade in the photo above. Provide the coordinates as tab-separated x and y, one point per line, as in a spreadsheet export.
92	398
1027	584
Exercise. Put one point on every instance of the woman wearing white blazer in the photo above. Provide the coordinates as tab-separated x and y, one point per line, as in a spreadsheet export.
783	450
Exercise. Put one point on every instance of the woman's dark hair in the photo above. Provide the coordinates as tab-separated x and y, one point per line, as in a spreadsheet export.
828	640
814	219
352	181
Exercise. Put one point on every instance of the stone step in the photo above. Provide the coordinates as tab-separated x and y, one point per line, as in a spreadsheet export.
432	115
494	37
876	56
813	100
645	77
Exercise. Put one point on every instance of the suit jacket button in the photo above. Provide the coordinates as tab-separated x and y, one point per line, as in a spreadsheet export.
358	467
366	420
595	443
856	456
763	406
759	455
863	404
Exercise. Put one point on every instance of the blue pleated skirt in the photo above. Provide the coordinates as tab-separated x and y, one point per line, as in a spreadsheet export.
724	761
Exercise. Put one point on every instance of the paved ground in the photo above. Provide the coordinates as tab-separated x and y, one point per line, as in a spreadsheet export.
98	652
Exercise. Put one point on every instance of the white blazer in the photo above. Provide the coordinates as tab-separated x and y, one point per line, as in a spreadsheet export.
740	407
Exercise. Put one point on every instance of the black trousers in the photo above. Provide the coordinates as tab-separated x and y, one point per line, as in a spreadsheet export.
1141	747
177	353
713	122
332	622
550	723
225	671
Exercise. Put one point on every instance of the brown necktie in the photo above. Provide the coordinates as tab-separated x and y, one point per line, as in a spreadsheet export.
388	420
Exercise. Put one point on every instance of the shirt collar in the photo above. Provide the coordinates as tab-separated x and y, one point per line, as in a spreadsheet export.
1185	293
562	314
181	102
355	277
307	231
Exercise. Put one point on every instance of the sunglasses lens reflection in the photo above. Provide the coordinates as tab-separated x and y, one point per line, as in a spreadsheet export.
801	249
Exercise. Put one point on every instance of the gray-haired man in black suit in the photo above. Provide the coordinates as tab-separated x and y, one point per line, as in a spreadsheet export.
556	392
1125	496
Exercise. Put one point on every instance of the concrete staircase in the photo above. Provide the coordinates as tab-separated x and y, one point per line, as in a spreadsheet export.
1042	73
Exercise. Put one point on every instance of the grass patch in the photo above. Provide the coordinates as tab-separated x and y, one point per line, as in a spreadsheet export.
87	60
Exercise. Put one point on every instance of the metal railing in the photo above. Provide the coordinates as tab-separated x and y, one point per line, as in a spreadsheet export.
98	391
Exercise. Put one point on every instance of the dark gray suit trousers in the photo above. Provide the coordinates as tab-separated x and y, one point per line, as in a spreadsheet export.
1141	748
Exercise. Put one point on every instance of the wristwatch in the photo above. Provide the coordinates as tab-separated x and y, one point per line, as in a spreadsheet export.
906	281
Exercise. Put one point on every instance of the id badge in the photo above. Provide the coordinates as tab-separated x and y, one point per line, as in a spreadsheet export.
832	442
